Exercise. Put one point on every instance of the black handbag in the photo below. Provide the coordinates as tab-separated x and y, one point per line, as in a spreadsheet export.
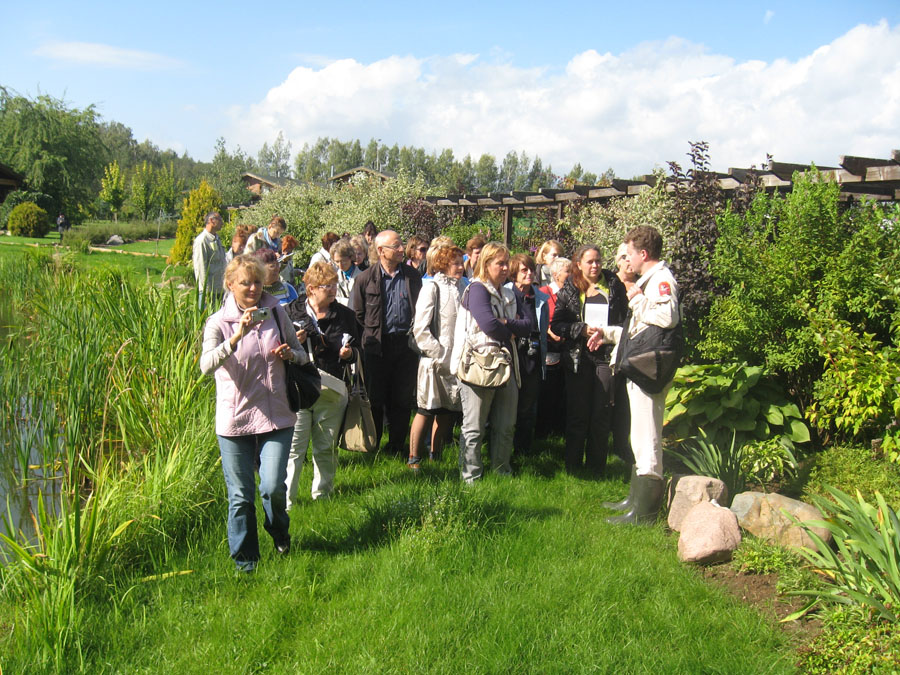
650	358
304	384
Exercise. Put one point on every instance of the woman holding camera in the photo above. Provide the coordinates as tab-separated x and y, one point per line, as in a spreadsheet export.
591	299
532	350
243	349
331	332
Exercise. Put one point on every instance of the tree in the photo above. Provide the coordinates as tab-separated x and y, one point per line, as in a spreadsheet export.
168	187
57	148
197	204
143	189
112	188
486	174
224	176
275	161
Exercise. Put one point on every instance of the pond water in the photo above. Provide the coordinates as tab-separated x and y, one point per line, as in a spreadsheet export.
26	449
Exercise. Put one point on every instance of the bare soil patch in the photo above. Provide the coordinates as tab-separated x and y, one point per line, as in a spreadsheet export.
759	591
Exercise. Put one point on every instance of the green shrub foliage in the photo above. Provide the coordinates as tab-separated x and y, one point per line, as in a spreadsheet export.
773	259
732	398
28	220
193	216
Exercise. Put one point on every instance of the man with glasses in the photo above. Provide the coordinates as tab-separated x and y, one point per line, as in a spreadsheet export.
209	261
384	297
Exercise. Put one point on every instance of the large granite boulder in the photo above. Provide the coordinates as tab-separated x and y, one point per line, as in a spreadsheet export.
685	492
761	514
709	534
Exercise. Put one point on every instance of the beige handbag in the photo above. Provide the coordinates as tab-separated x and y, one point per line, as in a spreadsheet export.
489	364
358	429
486	364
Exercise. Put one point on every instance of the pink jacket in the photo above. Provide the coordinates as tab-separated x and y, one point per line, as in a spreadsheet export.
251	397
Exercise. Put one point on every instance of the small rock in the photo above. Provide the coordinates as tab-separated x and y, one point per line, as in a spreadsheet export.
115	240
688	491
709	534
761	515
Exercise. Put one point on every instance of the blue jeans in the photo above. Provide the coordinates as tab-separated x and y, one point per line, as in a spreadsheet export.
238	463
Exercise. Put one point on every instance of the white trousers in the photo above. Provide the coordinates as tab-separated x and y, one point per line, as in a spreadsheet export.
647	411
320	424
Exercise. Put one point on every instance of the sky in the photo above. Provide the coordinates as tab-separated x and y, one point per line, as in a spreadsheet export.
607	85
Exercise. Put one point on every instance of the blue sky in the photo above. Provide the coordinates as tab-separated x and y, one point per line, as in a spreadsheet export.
625	85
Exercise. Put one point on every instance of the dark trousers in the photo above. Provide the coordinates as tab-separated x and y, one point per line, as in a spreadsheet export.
551	412
526	411
391	384
588	417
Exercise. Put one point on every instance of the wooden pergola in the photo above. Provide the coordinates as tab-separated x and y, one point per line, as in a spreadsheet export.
859	178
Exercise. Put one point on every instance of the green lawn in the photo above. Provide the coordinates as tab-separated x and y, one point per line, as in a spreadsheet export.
399	573
139	267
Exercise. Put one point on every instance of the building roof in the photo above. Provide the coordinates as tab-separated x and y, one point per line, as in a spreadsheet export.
345	176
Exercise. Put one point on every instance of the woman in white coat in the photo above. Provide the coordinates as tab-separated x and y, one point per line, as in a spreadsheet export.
437	389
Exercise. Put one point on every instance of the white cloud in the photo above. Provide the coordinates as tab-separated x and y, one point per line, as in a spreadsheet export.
106	56
767	17
630	111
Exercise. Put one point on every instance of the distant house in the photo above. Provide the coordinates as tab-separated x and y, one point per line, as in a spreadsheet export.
345	176
260	185
10	181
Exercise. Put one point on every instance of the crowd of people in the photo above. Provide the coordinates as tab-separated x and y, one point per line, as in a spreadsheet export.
509	346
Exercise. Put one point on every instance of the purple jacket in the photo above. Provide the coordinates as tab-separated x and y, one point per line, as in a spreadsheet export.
251	397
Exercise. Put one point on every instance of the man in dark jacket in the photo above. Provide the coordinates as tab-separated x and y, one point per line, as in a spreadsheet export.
385	300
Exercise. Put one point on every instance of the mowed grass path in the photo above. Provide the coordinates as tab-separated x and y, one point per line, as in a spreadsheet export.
399	573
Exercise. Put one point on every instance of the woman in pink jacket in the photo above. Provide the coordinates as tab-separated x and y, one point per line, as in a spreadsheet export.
243	348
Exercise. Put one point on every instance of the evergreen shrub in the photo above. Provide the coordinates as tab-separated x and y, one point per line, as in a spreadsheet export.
28	220
197	204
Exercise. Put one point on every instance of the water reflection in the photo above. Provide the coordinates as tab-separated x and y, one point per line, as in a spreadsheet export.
29	449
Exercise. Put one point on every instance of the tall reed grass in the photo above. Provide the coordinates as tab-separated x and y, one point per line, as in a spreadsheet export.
109	422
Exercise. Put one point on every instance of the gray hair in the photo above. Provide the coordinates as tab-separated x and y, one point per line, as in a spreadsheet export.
559	265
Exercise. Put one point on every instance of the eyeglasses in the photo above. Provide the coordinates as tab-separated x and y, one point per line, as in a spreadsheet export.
327	287
396	247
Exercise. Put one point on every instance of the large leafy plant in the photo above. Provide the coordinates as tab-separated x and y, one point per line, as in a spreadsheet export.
731	399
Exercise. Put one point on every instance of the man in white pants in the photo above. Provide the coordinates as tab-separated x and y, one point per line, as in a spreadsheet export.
652	301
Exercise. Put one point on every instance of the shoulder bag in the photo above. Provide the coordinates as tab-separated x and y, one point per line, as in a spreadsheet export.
485	364
650	358
304	384
358	428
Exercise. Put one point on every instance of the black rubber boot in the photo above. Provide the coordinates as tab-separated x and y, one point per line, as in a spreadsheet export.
646	499
625	504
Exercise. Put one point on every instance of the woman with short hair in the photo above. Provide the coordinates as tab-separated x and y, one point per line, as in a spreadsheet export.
343	257
437	389
273	285
268	236
243	349
552	403
532	349
416	248
591	299
332	335
549	251
488	313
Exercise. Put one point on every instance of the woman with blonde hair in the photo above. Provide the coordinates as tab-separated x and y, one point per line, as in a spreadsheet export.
549	251
488	313
243	349
437	389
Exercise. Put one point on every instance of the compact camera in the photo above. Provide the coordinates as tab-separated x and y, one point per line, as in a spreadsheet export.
260	314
